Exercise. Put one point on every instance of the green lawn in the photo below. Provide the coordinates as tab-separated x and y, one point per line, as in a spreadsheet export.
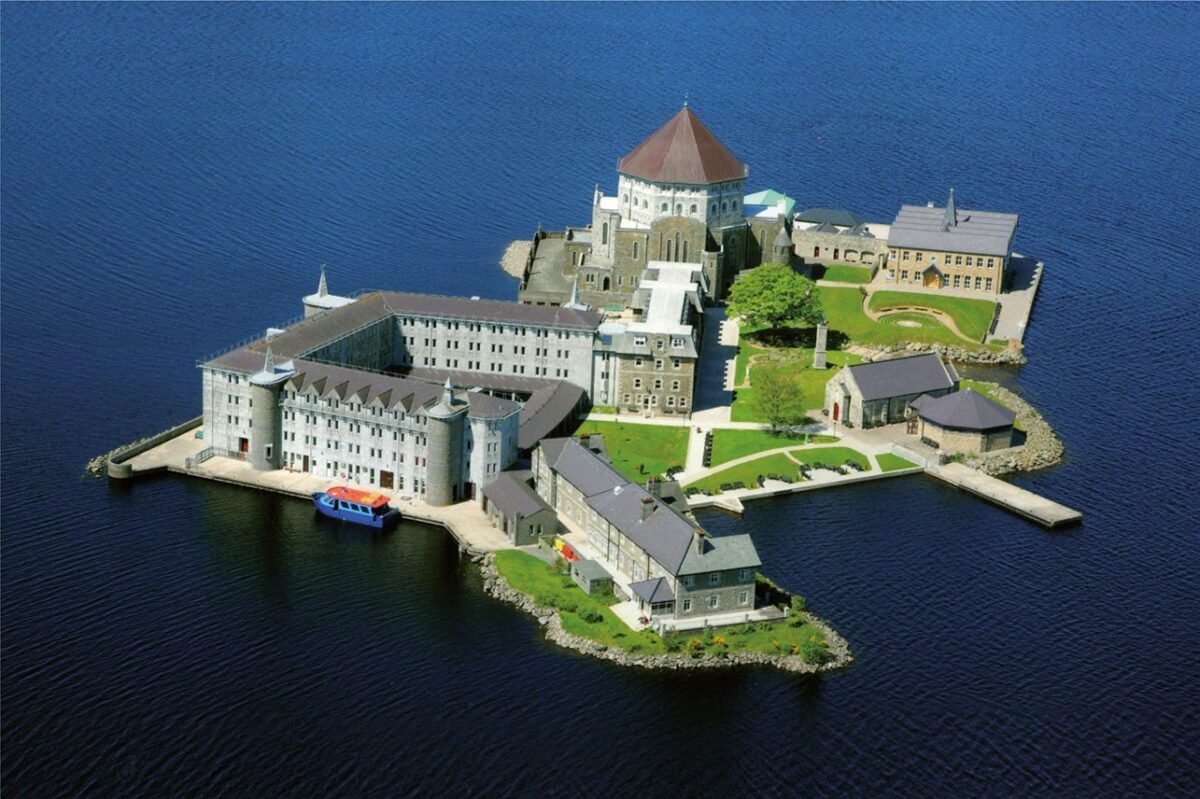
890	463
652	447
973	317
748	473
843	309
605	409
553	588
986	391
847	273
729	444
794	363
831	456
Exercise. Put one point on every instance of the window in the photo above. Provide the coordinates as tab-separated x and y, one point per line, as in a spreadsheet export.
658	363
724	207
674	385
689	581
714	601
657	384
693	208
904	274
743	597
678	209
687	605
989	266
675	363
968	260
989	284
639	341
714	208
956	279
978	283
958	260
919	256
637	382
665	207
904	256
637	362
604	234
635	254
714	578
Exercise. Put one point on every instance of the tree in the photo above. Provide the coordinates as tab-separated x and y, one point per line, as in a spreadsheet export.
773	295
777	399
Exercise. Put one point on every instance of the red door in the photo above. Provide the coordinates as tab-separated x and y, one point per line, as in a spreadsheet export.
243	445
836	409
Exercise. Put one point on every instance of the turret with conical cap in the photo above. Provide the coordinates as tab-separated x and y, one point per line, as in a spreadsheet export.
322	287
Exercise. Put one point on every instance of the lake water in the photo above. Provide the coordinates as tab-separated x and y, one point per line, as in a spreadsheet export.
174	175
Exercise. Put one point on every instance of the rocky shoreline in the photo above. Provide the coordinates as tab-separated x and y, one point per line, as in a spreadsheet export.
1042	449
98	466
498	587
1012	355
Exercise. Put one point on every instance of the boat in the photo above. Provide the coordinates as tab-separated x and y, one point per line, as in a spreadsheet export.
357	507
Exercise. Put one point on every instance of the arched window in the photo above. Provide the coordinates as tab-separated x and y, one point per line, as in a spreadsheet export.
735	202
624	198
678	209
645	204
724	207
668	258
816	252
635	249
714	208
676	245
604	234
605	284
665	207
693	208
684	251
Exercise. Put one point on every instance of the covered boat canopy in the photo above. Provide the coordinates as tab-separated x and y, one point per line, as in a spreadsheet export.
371	499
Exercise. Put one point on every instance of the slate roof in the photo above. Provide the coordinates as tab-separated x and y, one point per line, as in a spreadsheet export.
916	374
512	494
721	552
665	535
437	305
683	151
655	590
922	227
964	410
582	469
834	216
591	569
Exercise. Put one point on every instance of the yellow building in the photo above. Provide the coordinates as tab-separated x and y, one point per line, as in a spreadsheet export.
950	248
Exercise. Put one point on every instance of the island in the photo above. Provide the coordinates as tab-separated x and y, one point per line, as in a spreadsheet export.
694	346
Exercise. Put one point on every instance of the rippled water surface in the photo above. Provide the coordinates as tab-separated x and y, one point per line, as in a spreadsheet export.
175	174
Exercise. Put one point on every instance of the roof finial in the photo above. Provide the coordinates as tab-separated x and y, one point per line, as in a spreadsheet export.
448	393
269	360
322	287
685	99
951	218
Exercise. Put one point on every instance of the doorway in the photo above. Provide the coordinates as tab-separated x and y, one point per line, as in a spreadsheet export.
386	479
837	411
243	445
933	280
305	469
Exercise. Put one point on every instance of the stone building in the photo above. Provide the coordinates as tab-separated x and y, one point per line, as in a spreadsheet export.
679	198
827	236
515	508
950	248
646	357
661	559
349	392
964	421
874	394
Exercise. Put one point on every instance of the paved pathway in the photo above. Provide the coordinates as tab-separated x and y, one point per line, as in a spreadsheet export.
1016	304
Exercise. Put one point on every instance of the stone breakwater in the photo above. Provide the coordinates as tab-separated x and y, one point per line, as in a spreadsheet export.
498	587
957	354
98	466
1042	449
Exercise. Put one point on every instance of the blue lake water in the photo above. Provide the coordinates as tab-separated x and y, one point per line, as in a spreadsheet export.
173	177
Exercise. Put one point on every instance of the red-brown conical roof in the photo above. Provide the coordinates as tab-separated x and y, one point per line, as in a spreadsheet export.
683	151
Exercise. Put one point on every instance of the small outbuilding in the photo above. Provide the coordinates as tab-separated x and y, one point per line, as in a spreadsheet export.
593	578
965	421
878	393
516	510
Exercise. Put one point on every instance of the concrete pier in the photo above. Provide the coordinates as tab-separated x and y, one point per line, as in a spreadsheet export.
1008	496
466	521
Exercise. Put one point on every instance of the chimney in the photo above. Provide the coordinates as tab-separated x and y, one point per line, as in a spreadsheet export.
699	541
648	507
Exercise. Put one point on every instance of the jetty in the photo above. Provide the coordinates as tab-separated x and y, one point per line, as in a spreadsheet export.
180	451
1045	512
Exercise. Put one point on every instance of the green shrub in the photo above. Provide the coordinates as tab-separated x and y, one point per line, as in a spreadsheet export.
592	616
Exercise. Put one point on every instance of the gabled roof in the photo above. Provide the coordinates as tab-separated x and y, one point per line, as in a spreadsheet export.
964	410
834	216
512	494
721	553
916	374
654	590
683	151
927	227
663	533
582	468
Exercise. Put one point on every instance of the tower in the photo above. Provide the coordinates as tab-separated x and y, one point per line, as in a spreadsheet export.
266	435
444	435
323	300
781	249
951	217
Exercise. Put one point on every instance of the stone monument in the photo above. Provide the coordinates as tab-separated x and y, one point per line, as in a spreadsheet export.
819	352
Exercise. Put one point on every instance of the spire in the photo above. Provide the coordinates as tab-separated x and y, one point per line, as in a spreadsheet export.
269	360
322	287
448	394
685	100
951	218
